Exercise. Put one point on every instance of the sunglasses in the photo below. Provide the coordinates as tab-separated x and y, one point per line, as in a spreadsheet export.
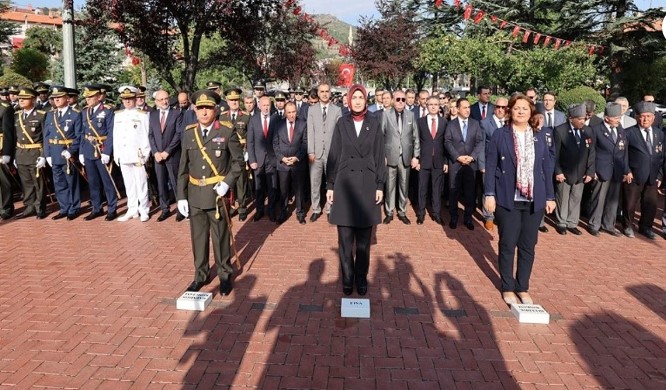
502	107
400	99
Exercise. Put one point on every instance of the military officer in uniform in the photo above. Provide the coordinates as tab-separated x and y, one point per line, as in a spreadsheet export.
216	87
240	121
131	150
141	99
73	97
30	161
280	102
8	145
42	102
4	94
13	96
96	150
62	128
208	168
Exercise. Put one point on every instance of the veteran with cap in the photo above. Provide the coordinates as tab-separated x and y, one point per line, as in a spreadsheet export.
62	128
646	172
95	152
30	160
7	145
208	168
131	150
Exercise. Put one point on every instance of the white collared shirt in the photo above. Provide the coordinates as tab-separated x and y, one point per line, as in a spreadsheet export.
644	133
498	121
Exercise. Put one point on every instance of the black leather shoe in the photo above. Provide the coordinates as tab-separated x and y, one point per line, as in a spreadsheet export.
648	233
242	216
347	290
594	233
314	217
179	217
271	216
575	231
614	232
93	215
469	225
282	218
387	219
226	287
404	219
419	220
561	230
196	286
453	223
41	215
163	216
111	216
6	216
543	229
258	215
59	216
362	286
301	219
26	214
438	220
71	217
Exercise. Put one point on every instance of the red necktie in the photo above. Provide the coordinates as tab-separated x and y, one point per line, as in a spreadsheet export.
433	128
483	113
265	126
163	121
291	131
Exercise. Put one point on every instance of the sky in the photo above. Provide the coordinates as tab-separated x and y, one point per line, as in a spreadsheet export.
347	10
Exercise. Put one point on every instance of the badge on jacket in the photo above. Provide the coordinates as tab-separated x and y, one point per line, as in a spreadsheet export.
620	145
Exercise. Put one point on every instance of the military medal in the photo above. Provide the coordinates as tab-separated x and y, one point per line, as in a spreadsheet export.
218	153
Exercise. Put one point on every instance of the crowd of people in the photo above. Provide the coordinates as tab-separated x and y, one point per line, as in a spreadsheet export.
515	160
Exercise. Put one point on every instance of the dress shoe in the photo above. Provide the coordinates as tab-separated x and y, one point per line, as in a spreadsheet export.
59	216
282	218
6	216
543	229
561	229
126	217
41	215
93	215
438	220
163	216
404	219
196	286
226	287
144	218
453	223
26	214
469	225
575	231
387	219
419	220
614	232
593	232
525	298
362	286
301	219
314	217
242	217
111	216
509	298
629	232
347	290
258	215
271	216
71	217
179	217
648	233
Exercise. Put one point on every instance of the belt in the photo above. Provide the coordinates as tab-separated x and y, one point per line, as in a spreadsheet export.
61	142
28	146
92	138
522	203
206	181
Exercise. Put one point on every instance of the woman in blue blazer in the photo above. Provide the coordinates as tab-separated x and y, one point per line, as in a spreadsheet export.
518	186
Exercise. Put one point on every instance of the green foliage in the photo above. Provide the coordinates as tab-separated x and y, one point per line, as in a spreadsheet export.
577	96
43	39
10	78
7	28
30	63
640	78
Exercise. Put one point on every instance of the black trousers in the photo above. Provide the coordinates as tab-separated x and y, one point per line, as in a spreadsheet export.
430	179
465	182
518	228
354	267
265	181
632	194
6	200
166	173
292	180
205	228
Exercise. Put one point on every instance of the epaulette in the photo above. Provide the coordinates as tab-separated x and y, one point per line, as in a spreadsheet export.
41	112
192	126
75	109
142	111
4	104
227	124
109	106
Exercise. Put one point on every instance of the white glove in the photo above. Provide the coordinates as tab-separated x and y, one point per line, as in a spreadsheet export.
184	208
82	160
5	160
105	159
50	161
41	162
67	155
246	156
221	188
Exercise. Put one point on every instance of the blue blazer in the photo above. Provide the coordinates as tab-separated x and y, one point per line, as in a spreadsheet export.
645	167
489	126
475	111
298	147
610	157
102	122
500	178
70	126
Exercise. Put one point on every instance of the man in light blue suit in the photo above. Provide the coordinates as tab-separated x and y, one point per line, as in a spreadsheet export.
489	125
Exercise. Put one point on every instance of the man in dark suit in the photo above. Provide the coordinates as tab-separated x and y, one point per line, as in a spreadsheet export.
611	167
432	161
7	145
421	109
552	116
290	144
574	167
658	117
261	157
489	125
591	119
301	103
464	142
483	108
646	166
164	137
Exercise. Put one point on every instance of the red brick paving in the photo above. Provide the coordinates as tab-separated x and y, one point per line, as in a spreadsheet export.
92	305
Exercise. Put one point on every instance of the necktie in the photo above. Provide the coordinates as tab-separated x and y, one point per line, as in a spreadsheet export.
280	113
550	120
577	134
614	134
649	140
205	133
291	131
483	112
323	113
25	116
464	131
400	122
433	128
162	120
265	126
423	112
59	115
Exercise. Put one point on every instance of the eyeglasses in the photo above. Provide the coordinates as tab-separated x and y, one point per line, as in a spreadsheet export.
400	99
502	107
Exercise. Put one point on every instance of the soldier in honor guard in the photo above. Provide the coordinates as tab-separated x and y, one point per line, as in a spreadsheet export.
30	161
141	99
216	87
62	128
95	152
42	102
13	96
280	102
240	121
106	100
8	145
73	98
208	168
4	94
131	151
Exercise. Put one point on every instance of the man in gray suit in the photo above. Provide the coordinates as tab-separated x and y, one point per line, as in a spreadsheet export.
322	118
553	117
625	120
401	136
489	125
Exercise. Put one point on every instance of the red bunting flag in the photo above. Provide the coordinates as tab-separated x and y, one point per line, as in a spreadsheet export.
515	32
558	42
297	10
493	18
546	42
479	16
567	43
438	3
526	36
468	12
590	51
503	24
457	3
288	3
537	37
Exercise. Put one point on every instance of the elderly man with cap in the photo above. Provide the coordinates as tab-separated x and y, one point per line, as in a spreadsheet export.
574	167
646	172
131	150
30	161
240	121
62	128
7	145
208	168
95	152
611	167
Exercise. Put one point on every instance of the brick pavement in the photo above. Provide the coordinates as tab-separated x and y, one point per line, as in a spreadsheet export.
92	305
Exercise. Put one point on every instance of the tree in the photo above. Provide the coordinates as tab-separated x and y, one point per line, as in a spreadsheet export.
43	39
30	63
7	28
11	78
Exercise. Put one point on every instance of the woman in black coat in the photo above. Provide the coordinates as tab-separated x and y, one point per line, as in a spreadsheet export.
355	171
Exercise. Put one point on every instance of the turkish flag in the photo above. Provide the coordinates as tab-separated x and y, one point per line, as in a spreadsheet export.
346	75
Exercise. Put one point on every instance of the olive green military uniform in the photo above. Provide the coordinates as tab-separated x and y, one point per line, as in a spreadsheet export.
196	179
7	144
242	188
29	147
